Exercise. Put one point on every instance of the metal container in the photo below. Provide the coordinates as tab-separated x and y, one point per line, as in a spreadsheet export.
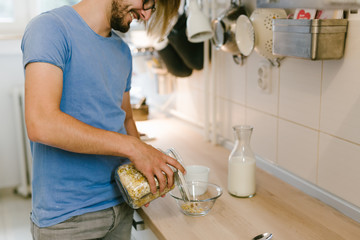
315	39
224	28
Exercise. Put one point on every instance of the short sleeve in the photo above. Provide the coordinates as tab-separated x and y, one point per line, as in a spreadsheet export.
128	82
45	40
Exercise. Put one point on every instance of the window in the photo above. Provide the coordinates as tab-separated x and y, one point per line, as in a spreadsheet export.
6	11
15	14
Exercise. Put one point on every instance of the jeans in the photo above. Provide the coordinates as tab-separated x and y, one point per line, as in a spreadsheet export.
108	224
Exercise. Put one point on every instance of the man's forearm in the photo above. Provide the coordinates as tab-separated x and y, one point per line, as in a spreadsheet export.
63	131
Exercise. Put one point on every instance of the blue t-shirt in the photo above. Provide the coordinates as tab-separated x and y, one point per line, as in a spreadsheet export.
96	73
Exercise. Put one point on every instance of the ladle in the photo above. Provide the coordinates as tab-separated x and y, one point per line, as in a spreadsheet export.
264	236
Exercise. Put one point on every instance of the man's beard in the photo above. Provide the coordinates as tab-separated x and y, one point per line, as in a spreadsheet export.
118	14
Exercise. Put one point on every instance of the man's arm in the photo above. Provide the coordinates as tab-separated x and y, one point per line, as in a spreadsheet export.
47	124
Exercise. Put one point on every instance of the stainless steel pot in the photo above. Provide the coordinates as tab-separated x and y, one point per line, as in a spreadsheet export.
224	28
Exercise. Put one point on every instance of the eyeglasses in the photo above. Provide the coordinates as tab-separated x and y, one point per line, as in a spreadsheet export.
149	5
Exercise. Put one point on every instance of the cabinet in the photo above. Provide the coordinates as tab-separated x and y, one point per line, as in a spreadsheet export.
139	230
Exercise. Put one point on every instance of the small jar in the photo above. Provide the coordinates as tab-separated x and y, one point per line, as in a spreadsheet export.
134	186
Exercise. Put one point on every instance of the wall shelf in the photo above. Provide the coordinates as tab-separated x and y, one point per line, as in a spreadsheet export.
318	4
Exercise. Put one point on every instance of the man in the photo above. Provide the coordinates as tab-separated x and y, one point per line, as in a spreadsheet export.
79	119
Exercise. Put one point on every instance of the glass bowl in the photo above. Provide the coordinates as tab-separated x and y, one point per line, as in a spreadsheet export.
202	198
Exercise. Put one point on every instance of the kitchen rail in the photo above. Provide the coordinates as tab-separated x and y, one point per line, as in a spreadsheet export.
277	207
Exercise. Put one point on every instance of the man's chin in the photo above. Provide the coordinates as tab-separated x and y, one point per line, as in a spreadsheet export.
122	29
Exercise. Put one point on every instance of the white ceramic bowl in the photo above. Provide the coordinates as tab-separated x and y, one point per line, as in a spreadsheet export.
200	203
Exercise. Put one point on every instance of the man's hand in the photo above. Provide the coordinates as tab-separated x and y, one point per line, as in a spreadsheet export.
153	163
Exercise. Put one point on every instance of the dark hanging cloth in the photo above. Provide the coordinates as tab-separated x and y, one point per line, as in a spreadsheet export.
173	62
180	55
191	53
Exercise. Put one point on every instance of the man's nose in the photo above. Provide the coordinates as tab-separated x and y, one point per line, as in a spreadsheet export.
145	14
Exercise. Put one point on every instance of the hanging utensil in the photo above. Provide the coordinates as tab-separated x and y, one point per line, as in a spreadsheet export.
261	19
244	35
198	25
224	28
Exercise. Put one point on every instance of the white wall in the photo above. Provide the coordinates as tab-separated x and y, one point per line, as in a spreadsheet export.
11	76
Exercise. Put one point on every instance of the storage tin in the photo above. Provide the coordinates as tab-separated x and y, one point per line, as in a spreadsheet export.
315	39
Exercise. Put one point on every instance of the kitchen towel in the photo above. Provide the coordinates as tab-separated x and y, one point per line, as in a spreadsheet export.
191	53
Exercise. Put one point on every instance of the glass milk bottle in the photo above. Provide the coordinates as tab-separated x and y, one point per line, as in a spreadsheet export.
241	169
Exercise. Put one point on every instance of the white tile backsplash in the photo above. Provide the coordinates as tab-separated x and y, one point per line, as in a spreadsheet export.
340	102
297	150
299	96
229	115
196	80
264	137
264	100
339	164
189	101
230	81
312	104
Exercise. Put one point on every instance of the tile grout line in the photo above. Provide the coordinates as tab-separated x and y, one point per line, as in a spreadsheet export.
288	120
318	131
277	118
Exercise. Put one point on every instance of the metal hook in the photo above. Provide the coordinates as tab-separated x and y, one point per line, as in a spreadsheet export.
238	59
275	62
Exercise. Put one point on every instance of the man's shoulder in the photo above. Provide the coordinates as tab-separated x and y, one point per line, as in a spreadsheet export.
55	16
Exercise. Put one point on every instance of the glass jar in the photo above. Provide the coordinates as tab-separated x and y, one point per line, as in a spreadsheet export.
241	167
135	188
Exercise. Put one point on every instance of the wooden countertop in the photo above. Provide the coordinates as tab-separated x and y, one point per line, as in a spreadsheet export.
277	207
